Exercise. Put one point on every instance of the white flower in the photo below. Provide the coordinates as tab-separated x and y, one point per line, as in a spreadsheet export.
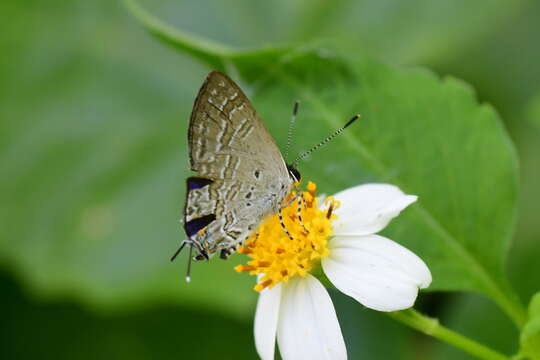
378	272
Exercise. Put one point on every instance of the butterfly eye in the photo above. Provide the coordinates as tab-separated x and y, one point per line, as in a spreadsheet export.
293	173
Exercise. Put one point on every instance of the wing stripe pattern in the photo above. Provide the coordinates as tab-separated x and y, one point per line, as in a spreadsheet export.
233	151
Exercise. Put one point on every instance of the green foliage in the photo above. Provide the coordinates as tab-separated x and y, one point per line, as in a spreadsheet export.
504	70
414	31
75	333
93	119
428	136
478	318
94	145
400	32
533	111
530	336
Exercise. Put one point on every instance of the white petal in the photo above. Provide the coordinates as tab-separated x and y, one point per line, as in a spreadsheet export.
308	327
367	209
266	320
376	271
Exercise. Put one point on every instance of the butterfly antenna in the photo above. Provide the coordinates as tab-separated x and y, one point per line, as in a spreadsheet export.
325	141
188	272
291	127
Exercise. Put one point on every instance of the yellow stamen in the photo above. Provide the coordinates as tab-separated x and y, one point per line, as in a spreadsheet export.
263	285
279	258
244	268
312	188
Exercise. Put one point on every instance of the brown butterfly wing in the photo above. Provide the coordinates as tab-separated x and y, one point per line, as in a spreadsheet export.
242	174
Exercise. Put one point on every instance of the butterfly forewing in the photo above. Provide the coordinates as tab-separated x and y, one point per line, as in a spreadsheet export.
242	176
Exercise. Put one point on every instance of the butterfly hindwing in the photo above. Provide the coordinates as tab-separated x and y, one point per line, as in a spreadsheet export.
245	176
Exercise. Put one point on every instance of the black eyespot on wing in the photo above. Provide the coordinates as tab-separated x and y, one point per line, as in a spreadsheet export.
197	182
257	173
194	226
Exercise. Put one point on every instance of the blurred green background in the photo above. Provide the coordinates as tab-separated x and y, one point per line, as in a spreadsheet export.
93	113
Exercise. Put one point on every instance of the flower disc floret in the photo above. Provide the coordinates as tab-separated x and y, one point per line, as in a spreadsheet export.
275	256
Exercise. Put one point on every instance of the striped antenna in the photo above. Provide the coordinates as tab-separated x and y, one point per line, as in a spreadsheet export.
291	127
325	141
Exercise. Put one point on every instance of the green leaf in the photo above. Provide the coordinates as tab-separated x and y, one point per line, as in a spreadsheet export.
512	82
168	330
165	330
96	157
94	161
427	135
396	31
412	31
477	318
533	111
530	335
534	306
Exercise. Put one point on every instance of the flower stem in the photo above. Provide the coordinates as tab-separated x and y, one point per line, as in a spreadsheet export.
431	327
204	50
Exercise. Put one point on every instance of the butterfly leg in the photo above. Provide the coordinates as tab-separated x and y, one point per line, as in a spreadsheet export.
293	199
299	211
280	214
256	236
225	253
300	198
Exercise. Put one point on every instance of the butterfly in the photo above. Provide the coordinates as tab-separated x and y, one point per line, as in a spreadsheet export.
242	176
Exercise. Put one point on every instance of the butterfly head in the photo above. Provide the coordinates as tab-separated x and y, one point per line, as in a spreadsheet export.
294	174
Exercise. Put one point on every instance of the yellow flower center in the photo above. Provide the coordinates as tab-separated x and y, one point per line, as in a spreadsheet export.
278	257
